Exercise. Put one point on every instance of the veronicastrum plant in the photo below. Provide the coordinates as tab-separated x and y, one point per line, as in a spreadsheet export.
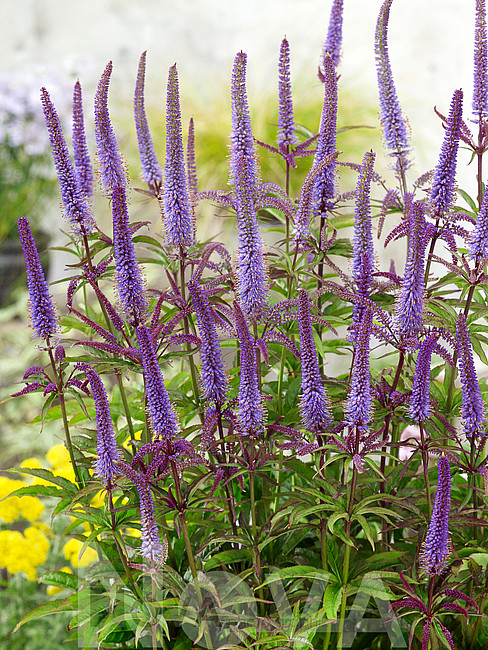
264	482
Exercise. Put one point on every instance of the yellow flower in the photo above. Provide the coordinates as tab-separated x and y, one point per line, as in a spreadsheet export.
22	553
51	589
137	436
98	500
12	508
72	550
58	456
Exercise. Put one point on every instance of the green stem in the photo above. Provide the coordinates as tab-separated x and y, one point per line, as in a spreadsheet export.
425	465
342	615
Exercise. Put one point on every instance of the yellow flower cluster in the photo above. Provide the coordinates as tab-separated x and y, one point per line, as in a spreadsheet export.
12	507
72	550
58	457
23	552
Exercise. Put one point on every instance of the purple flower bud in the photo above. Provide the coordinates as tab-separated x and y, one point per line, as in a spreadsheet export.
213	377
472	402
76	210
286	125
163	417
151	170
83	166
478	245
324	187
151	547
333	42
419	401
363	249
358	407
392	120
411	299
111	167
107	454
443	190
435	549
314	403
191	166
480	86
250	412
242	142
129	282
178	215
41	305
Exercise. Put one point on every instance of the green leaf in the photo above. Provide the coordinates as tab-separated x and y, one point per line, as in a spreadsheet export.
332	600
301	571
47	475
60	579
227	557
37	491
51	607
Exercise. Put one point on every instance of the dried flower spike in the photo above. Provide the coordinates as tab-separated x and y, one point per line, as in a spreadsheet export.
151	170
472	403
178	215
76	209
435	549
42	308
314	403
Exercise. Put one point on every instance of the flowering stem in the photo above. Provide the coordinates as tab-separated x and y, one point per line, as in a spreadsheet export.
345	575
425	465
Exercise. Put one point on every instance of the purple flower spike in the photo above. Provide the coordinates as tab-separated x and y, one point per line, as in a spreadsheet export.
191	166
107	454
84	169
324	187
286	125
480	86
163	416
363	249
151	170
419	401
411	299
472	403
251	264
333	42
314	403
151	547
435	550
478	246
359	402
242	142
41	305
111	167
443	190
76	209
213	376
128	277
178	215
250	413
392	120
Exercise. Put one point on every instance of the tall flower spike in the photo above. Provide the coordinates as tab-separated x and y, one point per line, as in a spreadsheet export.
128	277
163	417
111	167
419	400
151	170
480	86
76	209
323	192
392	120
411	299
83	166
358	407
363	249
213	377
107	454
472	403
251	264
151	547
178	215
314	403
478	245
333	42
41	305
286	125
250	412
435	549
443	190
191	166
